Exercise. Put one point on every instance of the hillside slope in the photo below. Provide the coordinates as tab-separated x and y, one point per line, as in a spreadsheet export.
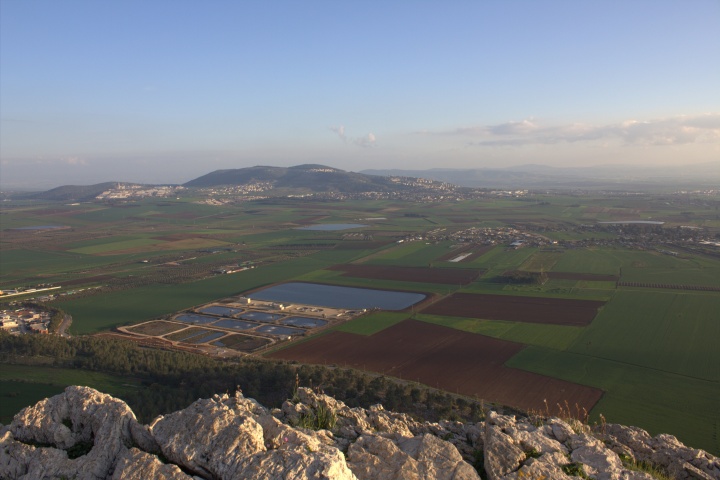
317	178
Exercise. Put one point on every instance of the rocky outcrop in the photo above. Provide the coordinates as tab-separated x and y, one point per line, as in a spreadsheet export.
556	449
84	434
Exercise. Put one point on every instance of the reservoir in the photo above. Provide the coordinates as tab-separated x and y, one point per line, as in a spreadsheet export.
334	296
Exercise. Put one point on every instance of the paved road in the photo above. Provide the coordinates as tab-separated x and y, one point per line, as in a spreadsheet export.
64	326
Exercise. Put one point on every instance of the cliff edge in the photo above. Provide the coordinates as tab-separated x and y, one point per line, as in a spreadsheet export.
84	434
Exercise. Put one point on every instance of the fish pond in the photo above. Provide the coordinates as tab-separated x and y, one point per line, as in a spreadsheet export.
307	322
278	330
235	324
334	296
196	319
222	311
261	316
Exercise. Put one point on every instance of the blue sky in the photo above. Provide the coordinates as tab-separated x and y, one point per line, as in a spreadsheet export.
164	91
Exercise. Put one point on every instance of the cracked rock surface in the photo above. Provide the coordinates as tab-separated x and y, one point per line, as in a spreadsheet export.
85	434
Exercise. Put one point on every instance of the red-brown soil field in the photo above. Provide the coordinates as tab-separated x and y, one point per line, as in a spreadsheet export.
556	311
451	276
455	361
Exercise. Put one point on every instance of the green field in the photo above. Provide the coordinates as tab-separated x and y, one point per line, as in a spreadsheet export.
654	400
654	351
102	312
668	331
116	245
551	336
22	385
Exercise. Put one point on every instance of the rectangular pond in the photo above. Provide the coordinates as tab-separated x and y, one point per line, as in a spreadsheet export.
278	330
261	316
235	324
304	322
334	296
221	311
205	338
194	318
240	342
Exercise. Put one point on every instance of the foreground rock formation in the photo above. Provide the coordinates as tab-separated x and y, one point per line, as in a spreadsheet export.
85	434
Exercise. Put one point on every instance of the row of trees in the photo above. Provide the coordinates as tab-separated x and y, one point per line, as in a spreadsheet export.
173	380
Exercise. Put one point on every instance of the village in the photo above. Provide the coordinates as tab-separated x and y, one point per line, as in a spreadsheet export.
24	320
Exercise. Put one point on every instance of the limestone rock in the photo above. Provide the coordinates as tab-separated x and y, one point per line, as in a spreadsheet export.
84	434
138	465
397	457
598	461
208	438
665	451
502	456
92	425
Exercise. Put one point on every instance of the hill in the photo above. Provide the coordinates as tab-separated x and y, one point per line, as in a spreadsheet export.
316	178
78	193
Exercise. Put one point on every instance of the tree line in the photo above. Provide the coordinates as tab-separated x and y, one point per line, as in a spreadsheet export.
172	380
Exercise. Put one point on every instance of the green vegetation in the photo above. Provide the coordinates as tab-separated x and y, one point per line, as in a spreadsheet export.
671	332
318	418
653	350
116	245
657	401
551	336
16	395
170	381
23	385
371	323
97	313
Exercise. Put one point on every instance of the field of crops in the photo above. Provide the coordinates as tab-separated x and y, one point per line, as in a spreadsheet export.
551	336
657	401
372	323
672	332
653	351
22	385
97	313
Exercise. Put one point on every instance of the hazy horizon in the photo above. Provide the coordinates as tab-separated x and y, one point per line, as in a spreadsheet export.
163	92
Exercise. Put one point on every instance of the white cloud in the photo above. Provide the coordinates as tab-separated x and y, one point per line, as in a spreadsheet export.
365	141
679	130
340	131
74	161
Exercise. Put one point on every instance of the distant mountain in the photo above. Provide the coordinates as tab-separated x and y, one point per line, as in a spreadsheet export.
543	176
316	178
77	193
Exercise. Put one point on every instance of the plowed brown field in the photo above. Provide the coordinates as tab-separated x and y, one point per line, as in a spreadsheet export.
450	276
556	311
445	358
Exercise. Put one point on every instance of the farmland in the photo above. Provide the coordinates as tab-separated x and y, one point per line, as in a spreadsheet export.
517	308
442	357
593	326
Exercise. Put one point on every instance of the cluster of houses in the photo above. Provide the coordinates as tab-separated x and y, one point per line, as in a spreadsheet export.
24	320
123	191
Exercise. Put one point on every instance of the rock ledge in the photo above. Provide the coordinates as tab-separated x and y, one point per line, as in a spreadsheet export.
85	434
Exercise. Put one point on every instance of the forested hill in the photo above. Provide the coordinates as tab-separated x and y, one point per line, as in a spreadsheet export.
317	178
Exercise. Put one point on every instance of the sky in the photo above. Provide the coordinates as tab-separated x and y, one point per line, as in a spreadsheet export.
164	91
